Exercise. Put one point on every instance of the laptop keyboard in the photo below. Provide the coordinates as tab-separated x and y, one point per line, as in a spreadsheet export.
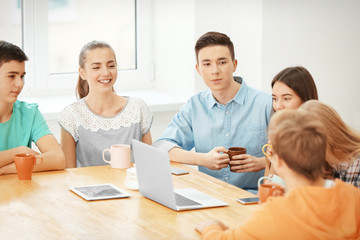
184	201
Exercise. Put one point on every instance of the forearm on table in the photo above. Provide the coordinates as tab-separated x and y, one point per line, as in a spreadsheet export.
52	160
10	168
187	157
7	156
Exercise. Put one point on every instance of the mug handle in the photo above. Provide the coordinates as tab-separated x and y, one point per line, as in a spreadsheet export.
103	156
263	149
39	157
262	178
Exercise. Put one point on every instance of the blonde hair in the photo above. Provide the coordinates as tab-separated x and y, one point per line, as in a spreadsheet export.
342	140
299	139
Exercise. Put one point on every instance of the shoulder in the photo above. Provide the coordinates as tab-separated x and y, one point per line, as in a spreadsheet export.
72	113
344	187
258	98
26	109
74	107
137	102
257	93
201	98
25	106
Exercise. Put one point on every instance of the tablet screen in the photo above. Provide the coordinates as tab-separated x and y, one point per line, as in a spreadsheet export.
99	191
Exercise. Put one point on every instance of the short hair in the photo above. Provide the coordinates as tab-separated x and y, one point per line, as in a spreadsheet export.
213	39
298	79
299	139
10	52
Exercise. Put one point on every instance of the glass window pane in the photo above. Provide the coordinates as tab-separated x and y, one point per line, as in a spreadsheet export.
73	23
10	21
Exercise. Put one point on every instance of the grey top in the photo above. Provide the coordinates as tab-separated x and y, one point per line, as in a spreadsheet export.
93	133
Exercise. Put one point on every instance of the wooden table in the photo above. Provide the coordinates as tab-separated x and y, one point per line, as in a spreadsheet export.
45	208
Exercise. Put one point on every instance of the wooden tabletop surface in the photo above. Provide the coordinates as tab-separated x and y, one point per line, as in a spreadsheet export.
45	208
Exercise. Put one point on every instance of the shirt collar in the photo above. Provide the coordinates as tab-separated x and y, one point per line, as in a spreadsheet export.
239	97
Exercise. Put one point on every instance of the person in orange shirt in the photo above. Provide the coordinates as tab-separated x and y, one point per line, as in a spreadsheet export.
312	207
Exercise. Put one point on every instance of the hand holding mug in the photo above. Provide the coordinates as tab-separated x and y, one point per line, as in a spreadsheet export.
235	151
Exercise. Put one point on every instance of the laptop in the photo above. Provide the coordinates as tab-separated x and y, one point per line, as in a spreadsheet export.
155	181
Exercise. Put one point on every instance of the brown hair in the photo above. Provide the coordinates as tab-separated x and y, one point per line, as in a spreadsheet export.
341	138
82	87
299	139
10	52
298	79
212	39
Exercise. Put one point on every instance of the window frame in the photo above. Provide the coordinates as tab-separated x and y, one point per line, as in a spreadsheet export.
35	44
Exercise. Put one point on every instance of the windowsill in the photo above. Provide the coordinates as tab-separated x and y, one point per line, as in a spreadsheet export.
158	101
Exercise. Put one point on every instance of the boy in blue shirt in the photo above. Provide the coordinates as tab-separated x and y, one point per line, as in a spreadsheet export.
228	114
21	123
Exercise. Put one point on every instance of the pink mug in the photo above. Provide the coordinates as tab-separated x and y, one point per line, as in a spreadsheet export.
119	156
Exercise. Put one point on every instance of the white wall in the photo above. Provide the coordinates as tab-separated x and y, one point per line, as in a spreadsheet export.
173	28
324	37
241	21
177	26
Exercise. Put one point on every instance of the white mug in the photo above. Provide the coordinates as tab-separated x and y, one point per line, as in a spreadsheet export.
274	179
120	156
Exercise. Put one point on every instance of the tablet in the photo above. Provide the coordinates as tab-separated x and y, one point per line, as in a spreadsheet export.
99	192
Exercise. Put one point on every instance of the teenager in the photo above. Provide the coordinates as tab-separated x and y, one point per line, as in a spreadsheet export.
291	87
228	114
100	118
312	207
21	123
343	148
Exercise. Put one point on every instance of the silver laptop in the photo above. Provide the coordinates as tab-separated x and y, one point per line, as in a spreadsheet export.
155	181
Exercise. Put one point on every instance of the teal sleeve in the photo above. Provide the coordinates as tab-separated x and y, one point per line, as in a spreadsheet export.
40	127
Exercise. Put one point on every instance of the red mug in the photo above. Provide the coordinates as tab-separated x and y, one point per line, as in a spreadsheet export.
25	163
233	151
266	190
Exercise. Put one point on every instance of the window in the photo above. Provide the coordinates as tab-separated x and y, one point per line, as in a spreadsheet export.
71	24
10	22
52	32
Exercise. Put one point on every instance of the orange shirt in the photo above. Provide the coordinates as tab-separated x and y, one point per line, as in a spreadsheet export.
305	213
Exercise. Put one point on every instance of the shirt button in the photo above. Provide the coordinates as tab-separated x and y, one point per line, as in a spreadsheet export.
227	112
226	178
227	134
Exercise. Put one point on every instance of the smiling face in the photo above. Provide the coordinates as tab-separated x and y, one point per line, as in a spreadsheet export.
11	81
100	69
216	67
284	97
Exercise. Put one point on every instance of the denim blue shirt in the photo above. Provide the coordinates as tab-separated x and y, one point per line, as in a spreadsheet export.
203	123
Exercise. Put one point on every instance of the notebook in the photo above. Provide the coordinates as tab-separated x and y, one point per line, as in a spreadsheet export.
155	181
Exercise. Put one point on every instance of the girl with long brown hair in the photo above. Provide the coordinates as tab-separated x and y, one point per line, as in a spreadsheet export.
100	118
